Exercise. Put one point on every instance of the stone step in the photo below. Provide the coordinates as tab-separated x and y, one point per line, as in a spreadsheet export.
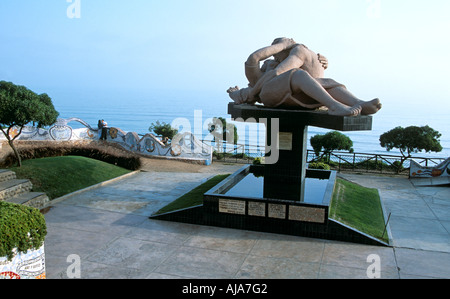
6	175
30	199
11	188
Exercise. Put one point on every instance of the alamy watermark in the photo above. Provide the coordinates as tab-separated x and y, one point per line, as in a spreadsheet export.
74	9
374	269
74	269
216	129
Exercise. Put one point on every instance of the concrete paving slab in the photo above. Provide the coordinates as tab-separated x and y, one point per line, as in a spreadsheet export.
223	239
257	267
124	253
117	242
424	264
282	246
421	240
357	256
328	271
164	232
415	225
200	263
143	194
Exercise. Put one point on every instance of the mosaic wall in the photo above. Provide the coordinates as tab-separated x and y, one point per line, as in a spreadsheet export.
441	170
184	145
30	265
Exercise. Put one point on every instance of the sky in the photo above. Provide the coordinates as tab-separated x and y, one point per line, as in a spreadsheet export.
396	50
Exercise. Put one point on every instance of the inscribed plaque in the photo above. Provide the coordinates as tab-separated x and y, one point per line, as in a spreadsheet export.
316	215
229	206
277	211
285	141
256	208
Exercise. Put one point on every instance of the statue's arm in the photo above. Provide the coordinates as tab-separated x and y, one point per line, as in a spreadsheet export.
295	60
253	71
266	52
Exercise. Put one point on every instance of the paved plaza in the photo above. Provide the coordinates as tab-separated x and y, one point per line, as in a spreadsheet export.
108	228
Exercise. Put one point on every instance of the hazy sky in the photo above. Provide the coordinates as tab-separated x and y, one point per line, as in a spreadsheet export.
396	50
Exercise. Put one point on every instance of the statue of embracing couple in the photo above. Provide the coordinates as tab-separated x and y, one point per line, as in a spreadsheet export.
294	78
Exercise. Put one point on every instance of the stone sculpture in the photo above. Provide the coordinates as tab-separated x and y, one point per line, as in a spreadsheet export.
294	78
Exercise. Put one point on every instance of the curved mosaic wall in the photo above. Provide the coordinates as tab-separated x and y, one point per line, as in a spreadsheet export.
441	170
184	145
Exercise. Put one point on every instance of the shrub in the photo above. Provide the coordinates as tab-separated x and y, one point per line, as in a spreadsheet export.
163	129
318	165
21	227
223	131
258	161
330	142
109	154
411	140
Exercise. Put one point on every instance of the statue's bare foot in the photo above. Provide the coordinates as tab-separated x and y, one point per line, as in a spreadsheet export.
235	94
232	89
371	107
342	110
239	96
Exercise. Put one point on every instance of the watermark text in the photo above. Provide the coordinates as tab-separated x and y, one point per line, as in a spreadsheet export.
74	9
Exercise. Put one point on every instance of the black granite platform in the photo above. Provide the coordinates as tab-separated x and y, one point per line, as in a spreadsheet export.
319	119
280	204
286	133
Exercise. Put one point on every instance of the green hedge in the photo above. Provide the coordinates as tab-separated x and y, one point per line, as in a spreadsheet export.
45	150
21	227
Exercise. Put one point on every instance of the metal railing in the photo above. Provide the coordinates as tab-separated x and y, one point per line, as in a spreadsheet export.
371	163
340	161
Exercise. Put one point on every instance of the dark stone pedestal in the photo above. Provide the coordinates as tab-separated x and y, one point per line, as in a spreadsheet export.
286	203
286	133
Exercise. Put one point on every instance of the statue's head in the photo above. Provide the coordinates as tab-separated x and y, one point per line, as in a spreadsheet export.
281	39
282	55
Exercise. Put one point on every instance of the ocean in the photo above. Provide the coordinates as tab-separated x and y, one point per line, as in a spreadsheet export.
136	111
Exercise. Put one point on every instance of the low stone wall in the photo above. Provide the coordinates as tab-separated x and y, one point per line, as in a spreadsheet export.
15	187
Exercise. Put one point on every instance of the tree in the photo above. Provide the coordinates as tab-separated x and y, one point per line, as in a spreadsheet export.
163	129
411	140
223	131
20	106
330	142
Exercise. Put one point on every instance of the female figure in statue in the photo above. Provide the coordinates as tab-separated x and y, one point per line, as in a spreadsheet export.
295	79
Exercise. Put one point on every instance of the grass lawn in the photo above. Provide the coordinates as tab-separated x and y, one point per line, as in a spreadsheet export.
194	197
58	176
358	207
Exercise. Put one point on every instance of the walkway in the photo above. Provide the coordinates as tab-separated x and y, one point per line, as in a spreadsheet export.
109	230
